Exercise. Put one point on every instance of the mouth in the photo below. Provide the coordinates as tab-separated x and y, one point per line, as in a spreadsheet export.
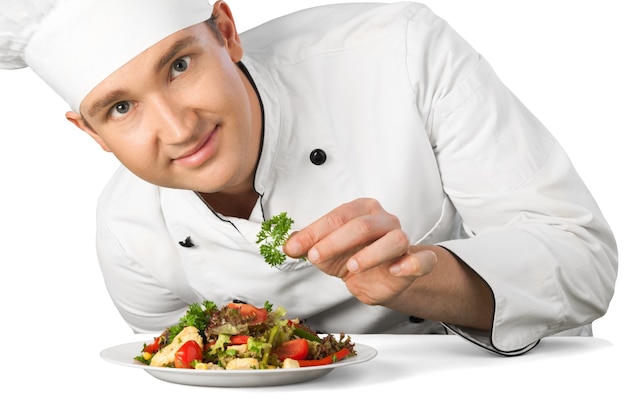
199	153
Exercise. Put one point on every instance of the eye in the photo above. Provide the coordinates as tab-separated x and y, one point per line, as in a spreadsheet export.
179	66
120	109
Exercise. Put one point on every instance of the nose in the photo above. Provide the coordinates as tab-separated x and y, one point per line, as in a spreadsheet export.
171	119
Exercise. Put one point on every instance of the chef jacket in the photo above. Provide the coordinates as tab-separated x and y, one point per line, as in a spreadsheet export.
385	102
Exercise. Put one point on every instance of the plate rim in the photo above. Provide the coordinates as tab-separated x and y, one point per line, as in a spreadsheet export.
244	377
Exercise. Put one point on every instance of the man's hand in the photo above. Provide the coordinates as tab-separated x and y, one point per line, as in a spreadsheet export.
365	246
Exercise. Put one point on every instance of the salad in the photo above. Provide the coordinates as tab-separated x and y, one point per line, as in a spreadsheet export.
240	336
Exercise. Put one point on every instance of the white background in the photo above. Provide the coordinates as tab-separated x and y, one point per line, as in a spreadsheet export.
563	59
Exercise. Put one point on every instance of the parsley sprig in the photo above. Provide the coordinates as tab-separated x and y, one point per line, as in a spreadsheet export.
272	237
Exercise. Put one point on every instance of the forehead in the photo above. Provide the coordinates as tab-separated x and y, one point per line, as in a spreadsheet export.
148	63
111	32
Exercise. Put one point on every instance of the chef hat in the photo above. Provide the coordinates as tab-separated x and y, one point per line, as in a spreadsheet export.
75	44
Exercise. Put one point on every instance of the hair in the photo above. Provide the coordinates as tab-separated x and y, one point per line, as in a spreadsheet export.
212	24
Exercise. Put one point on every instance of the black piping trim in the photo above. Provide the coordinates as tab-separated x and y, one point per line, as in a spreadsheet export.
492	349
256	90
258	95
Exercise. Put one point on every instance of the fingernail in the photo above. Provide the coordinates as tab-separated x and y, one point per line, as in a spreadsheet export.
294	247
353	265
313	255
428	257
395	269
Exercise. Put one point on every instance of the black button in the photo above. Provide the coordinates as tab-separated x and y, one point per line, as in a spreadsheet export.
187	242
318	157
415	319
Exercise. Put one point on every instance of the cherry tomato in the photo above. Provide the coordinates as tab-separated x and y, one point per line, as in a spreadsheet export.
255	315
296	349
187	353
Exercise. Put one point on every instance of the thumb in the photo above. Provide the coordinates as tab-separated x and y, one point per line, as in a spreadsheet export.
415	264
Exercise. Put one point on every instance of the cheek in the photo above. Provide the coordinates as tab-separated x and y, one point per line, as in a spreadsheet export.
134	150
231	83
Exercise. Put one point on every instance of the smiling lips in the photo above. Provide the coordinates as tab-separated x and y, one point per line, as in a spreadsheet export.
200	153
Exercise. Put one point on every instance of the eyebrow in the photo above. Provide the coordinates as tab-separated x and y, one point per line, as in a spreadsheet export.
171	52
104	102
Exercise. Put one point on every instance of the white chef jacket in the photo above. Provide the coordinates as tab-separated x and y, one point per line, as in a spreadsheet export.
403	110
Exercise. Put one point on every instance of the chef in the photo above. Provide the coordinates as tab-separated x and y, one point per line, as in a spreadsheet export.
425	197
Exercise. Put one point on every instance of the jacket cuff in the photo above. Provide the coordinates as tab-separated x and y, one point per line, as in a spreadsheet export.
483	339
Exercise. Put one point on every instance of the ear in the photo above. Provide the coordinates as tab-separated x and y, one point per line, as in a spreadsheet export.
226	25
78	120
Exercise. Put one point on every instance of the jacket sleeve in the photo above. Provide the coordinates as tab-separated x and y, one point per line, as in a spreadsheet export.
535	233
140	273
142	301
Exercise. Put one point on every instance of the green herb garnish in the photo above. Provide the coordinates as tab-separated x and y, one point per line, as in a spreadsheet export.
197	315
273	235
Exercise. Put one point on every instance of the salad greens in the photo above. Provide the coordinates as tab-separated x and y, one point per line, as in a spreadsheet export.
197	315
242	336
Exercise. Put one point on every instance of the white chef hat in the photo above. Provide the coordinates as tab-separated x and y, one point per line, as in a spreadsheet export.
75	44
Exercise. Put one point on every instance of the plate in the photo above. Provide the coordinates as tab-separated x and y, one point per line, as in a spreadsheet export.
124	355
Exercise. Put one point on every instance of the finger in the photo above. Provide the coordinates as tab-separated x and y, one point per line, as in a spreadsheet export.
414	264
301	242
388	248
355	235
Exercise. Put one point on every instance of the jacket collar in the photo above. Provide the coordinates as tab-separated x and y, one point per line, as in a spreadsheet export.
268	93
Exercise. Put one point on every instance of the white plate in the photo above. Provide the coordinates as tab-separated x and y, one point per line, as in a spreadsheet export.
124	355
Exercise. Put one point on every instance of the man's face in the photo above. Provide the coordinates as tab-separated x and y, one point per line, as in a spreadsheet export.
181	114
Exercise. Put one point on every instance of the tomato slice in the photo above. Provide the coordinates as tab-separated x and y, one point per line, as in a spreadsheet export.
254	315
340	355
187	353
239	339
296	349
152	347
